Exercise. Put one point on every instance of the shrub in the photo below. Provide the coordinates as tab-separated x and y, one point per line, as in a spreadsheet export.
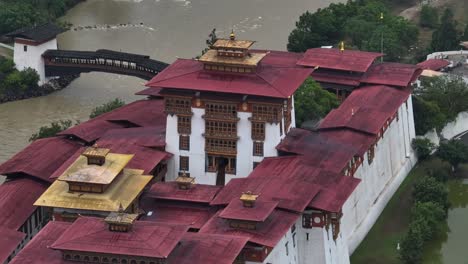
53	129
428	189
430	213
412	244
454	152
107	107
423	147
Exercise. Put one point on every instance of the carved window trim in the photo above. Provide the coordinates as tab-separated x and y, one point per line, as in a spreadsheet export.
184	142
221	146
178	105
258	148
258	130
184	124
221	110
214	128
266	112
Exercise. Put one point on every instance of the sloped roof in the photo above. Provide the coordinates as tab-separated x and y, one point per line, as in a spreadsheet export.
39	33
16	201
434	64
393	74
145	239
337	78
197	248
38	250
259	213
347	60
275	77
267	233
367	109
41	158
199	193
9	241
332	197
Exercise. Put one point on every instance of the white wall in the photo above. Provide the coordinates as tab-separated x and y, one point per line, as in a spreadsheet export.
32	58
393	160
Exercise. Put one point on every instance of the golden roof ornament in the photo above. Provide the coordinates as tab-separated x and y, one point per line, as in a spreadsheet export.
248	199
232	36
342	46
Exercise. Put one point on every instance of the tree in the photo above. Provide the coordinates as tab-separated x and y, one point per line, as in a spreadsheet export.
210	41
454	152
107	107
423	147
428	189
412	244
430	213
450	93
6	65
465	34
446	37
29	78
312	102
429	16
427	115
53	129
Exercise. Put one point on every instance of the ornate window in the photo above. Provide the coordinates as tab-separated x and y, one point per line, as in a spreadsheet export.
184	125
184	142
221	146
258	148
183	163
212	163
258	131
370	154
266	113
221	110
178	105
220	129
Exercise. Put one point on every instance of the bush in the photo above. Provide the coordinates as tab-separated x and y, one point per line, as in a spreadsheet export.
454	152
53	129
428	189
412	243
427	115
430	213
107	107
423	147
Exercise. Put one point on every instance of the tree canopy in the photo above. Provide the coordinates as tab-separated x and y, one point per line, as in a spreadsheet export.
106	107
454	152
359	23
312	102
51	130
446	36
429	16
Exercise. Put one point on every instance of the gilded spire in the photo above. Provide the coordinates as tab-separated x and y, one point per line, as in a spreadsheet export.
342	46
232	36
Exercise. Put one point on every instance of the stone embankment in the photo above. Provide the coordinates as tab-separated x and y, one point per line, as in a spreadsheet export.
48	88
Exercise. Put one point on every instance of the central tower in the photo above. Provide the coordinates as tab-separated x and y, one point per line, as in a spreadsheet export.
228	110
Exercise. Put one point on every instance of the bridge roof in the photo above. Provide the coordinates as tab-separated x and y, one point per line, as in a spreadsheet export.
39	33
277	76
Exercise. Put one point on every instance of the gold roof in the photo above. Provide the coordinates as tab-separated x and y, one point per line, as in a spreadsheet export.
121	218
248	197
96	152
232	44
80	171
119	195
251	60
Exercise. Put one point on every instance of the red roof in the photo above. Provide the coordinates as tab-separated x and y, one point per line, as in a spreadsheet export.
9	241
394	74
200	193
152	91
347	60
189	214
258	213
41	158
366	109
16	201
196	248
267	233
332	197
337	78
38	250
276	77
318	149
143	113
146	239
434	64
153	136
281	179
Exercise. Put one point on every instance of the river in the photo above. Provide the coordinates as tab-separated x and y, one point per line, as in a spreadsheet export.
163	29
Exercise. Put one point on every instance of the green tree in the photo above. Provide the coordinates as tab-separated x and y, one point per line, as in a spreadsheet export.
429	16
212	37
431	213
107	107
450	93
446	37
29	78
13	83
465	34
428	189
312	102
412	244
51	130
17	15
6	65
423	147
454	152
427	115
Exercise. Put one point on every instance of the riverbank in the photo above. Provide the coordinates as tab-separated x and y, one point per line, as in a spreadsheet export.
52	86
394	220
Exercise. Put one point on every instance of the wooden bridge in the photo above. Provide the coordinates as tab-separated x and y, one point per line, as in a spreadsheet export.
68	62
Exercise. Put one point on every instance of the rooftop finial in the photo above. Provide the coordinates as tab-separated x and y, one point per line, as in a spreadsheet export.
232	36
342	48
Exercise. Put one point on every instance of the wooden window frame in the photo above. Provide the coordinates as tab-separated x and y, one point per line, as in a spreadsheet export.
258	148
184	124
266	112
178	105
184	142
184	163
258	130
215	128
221	146
221	110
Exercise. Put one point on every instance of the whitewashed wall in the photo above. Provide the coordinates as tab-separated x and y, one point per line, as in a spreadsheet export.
451	130
393	160
32	58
